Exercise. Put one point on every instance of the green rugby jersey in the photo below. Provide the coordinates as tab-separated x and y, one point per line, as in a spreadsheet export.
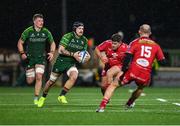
72	44
36	41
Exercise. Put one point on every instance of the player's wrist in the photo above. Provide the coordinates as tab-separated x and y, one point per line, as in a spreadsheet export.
22	52
72	54
52	52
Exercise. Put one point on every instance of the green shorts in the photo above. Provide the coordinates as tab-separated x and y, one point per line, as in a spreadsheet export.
32	61
61	66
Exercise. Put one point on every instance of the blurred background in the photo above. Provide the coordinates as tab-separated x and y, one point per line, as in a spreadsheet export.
102	18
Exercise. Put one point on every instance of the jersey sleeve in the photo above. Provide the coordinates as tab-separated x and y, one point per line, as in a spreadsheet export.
103	46
50	37
65	40
159	54
24	35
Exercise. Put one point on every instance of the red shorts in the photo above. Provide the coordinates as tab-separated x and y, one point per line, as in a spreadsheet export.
140	76
104	71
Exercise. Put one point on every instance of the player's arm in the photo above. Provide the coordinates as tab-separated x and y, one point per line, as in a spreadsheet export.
52	45
20	45
52	50
62	50
160	57
102	57
126	61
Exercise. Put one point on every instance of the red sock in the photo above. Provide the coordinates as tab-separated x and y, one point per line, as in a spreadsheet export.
103	103
130	101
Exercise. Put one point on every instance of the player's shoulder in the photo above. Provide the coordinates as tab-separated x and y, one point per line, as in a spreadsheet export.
68	35
124	44
84	38
28	29
45	29
134	42
107	42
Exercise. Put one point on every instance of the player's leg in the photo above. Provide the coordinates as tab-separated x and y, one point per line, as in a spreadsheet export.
30	75
112	72
39	71
72	74
108	94
48	85
142	81
104	84
131	102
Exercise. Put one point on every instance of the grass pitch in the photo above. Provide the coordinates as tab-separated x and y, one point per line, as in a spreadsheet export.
159	106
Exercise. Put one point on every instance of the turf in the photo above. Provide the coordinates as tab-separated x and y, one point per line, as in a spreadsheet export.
16	107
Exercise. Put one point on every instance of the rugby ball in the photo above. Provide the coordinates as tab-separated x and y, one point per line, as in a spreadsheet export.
83	55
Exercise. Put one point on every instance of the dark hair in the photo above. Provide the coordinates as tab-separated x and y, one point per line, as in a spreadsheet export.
116	37
37	16
77	24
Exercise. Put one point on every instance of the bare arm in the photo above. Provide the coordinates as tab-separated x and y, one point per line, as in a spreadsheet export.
103	58
21	49
65	52
52	50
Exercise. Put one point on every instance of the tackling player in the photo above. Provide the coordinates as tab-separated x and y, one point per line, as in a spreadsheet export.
70	46
35	38
114	54
142	51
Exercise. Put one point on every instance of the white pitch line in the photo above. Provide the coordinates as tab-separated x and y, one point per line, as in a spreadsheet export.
178	104
162	100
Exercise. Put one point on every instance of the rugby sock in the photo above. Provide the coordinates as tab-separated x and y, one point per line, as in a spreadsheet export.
130	101
44	95
103	103
35	97
64	91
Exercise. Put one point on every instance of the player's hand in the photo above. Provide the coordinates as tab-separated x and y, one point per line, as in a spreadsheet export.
119	74
23	56
77	56
50	56
104	59
87	58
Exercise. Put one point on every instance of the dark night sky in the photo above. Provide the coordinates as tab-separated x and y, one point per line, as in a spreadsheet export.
102	18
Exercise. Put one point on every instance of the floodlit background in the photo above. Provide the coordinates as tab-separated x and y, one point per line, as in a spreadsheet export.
102	18
158	105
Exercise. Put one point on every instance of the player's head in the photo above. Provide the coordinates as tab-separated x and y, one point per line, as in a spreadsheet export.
116	40
78	28
38	20
145	30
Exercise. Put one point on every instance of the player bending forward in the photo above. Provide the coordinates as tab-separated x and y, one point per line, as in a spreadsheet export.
114	54
142	53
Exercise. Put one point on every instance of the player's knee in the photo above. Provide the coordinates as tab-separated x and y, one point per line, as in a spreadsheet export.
73	78
104	86
38	77
30	80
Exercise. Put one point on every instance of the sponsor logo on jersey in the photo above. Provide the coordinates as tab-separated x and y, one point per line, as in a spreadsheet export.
82	42
37	39
142	62
72	40
32	35
43	35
